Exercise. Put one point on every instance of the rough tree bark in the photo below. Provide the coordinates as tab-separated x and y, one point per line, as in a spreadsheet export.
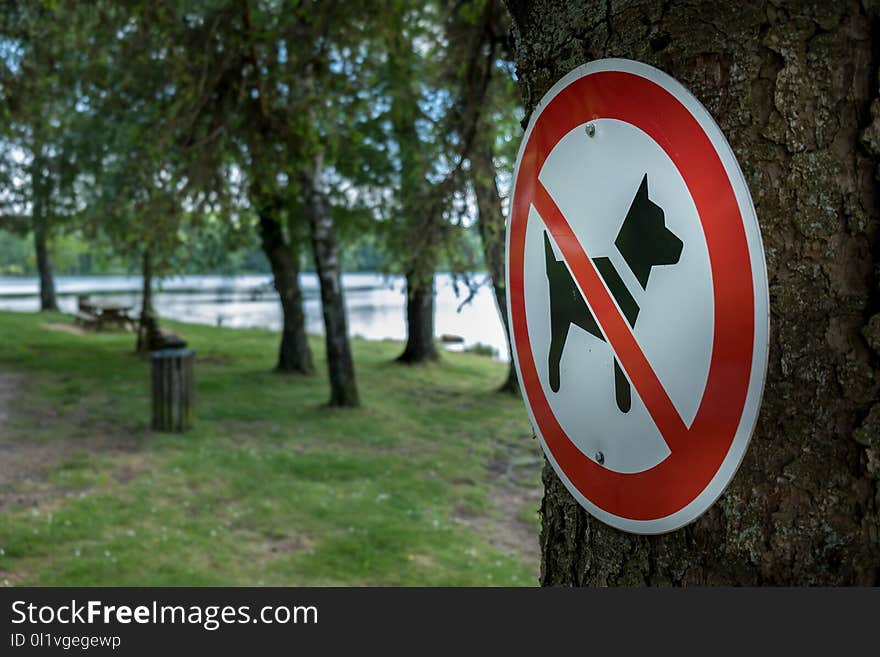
791	85
492	235
294	355
40	227
343	388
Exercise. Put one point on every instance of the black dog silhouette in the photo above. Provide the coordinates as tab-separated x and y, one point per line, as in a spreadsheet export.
644	242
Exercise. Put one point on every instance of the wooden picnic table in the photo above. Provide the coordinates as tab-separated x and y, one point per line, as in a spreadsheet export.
100	315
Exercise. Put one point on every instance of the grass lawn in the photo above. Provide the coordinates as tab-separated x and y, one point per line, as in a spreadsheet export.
434	481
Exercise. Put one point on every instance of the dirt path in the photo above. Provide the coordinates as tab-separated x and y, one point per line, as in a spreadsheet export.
24	463
19	461
514	497
9	386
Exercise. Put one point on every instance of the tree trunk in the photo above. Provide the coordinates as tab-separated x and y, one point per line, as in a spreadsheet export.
343	389
492	235
48	300
147	320
294	355
791	88
419	228
39	200
420	347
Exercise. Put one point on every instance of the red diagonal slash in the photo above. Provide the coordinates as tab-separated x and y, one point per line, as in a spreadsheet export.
612	323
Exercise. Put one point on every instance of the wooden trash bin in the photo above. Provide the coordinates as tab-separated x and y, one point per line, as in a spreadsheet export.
173	389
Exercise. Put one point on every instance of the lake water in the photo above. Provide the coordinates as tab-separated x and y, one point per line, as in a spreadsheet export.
375	303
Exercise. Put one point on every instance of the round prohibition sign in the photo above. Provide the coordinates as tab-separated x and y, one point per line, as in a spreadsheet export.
703	454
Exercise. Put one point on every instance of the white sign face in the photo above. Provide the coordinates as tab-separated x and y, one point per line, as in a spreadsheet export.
637	292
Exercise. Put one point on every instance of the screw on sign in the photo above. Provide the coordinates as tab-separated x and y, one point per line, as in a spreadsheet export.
637	292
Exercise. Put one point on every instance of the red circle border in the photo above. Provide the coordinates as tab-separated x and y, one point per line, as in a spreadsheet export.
675	482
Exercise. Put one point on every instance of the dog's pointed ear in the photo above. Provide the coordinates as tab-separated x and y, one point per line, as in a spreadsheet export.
644	241
642	193
549	256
